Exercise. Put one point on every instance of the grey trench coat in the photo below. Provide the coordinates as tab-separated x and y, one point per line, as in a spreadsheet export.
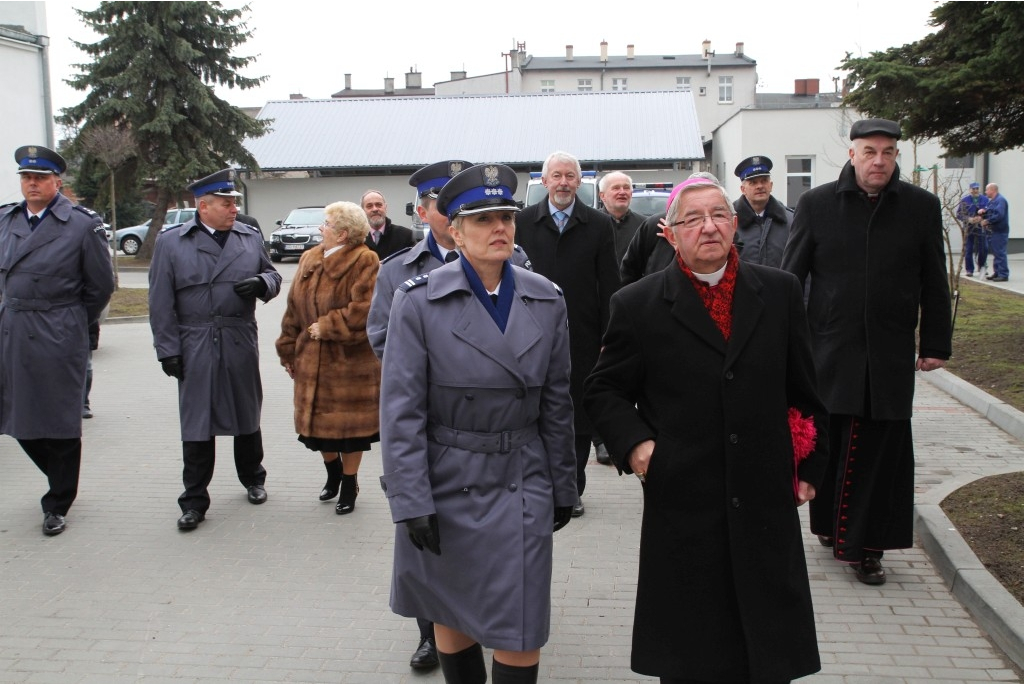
55	280
194	312
448	369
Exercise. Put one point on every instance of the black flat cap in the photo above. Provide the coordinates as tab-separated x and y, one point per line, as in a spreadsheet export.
875	127
36	159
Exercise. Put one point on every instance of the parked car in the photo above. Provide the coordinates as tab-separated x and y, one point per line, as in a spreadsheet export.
300	231
650	198
130	239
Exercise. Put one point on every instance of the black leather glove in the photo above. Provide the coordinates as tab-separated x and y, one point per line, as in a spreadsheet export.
423	533
173	367
562	516
251	287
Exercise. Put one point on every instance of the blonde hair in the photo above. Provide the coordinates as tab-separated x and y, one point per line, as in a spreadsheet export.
347	216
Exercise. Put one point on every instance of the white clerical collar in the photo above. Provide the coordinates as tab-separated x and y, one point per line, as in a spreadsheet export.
711	279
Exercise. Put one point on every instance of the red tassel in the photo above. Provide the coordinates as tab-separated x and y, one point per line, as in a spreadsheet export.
804	434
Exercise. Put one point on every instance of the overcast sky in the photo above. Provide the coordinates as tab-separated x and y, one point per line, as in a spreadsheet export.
308	47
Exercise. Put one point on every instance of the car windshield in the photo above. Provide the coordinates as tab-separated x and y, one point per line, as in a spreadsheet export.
308	216
649	204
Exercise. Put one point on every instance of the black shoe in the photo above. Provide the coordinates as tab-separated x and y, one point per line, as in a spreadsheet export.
53	524
577	509
86	412
602	454
826	541
425	656
870	571
998	279
330	490
190	520
347	499
257	494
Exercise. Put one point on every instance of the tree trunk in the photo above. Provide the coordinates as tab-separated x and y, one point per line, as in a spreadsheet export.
156	224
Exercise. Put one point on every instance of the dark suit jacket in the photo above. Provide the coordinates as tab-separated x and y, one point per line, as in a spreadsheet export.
581	260
873	268
722	570
393	239
647	252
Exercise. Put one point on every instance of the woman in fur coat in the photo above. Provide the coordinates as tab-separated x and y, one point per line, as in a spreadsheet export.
324	348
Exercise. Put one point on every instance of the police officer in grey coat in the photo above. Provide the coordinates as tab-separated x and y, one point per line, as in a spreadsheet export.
55	279
478	456
436	249
203	284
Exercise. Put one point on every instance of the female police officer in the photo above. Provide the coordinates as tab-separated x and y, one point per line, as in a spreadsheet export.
478	448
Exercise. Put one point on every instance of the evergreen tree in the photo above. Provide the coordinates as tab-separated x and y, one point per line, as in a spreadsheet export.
963	84
153	71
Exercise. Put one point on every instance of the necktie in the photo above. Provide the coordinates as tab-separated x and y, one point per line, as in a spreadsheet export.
33	221
376	237
451	256
560	219
494	299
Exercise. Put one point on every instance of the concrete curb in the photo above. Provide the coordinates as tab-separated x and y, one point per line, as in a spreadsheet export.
993	607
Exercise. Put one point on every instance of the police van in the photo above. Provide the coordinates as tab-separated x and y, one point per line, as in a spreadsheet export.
650	198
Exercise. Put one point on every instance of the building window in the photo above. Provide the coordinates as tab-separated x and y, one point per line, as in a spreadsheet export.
965	162
799	178
682	83
584	84
547	85
725	88
618	84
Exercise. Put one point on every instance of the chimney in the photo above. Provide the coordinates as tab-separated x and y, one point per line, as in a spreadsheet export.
348	81
413	79
296	96
629	51
800	86
514	59
568	53
812	86
389	85
705	50
604	51
458	75
739	49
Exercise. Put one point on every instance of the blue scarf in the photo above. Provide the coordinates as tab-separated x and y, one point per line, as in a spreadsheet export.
500	311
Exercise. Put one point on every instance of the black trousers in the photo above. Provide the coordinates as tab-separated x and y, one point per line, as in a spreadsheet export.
582	456
60	460
199	457
426	628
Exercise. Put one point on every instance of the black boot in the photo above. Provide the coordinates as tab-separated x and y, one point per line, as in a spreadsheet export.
330	490
503	673
349	490
466	666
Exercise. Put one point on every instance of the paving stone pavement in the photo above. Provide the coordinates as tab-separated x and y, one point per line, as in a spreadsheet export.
290	592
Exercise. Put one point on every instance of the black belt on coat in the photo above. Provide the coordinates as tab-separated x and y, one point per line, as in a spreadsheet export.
487	443
218	321
21	304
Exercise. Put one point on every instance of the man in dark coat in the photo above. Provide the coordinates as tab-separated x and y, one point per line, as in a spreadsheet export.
702	366
55	280
616	195
872	247
764	222
385	238
572	245
203	284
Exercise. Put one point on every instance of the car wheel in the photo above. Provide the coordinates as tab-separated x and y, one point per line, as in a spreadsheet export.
130	245
276	257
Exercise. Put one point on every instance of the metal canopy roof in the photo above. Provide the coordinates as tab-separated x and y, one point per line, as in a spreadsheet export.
512	129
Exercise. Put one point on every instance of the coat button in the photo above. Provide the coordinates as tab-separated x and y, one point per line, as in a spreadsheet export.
735	502
470	397
520	394
734	438
728	375
513	487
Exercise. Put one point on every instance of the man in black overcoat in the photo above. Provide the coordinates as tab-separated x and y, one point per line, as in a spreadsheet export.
872	247
573	245
702	366
384	238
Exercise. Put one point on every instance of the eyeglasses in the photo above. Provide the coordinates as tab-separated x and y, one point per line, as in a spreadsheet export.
326	225
720	219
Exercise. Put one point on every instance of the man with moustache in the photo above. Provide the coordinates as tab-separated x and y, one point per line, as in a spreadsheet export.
573	246
385	238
